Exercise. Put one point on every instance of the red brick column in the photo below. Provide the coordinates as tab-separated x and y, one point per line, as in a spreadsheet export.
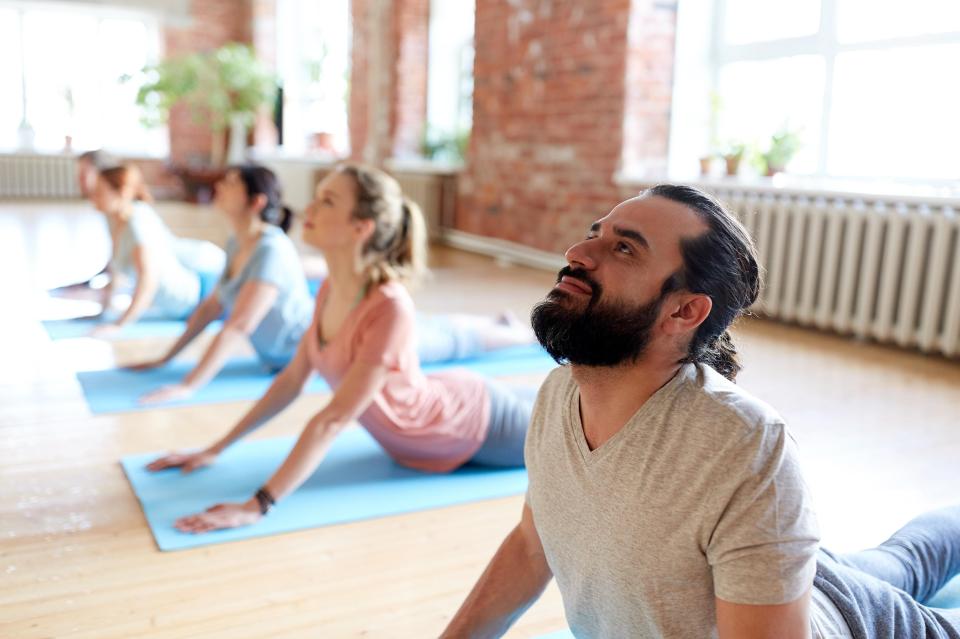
550	93
649	88
411	20
388	78
264	36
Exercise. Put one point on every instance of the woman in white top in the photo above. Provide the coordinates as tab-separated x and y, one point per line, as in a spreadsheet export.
164	272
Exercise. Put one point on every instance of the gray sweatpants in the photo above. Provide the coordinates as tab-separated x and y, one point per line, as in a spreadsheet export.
881	592
510	409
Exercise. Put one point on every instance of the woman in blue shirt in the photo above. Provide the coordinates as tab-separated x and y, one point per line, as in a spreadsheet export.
262	294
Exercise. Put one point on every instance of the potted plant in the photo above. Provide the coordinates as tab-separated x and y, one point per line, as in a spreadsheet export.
733	156
223	88
783	146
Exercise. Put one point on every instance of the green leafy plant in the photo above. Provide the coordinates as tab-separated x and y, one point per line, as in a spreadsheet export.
783	146
220	87
445	146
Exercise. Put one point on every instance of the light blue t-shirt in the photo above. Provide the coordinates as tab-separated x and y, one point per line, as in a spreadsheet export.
274	261
178	287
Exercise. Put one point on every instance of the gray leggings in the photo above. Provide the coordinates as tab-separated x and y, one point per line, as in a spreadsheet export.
510	409
880	592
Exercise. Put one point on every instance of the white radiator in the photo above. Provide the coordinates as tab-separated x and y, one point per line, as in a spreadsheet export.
881	268
38	176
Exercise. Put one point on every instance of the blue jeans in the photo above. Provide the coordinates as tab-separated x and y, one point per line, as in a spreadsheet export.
881	592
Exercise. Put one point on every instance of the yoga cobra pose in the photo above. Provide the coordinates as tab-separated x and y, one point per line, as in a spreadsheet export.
665	499
362	341
262	292
264	298
165	272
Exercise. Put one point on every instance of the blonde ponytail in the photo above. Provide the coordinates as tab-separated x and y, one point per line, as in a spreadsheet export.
397	248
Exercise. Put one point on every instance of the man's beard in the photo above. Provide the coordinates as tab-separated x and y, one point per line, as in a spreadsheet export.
602	334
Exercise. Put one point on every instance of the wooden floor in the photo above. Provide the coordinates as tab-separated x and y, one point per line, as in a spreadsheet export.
877	428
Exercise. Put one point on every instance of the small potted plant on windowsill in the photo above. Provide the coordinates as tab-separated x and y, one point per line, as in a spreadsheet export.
733	156
783	146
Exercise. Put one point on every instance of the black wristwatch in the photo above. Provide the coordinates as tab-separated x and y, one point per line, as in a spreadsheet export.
265	499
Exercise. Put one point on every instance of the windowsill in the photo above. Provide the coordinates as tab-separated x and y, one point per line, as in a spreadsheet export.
328	160
811	186
423	165
323	159
12	153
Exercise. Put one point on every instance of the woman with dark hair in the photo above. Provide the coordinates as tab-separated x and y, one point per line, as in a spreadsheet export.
166	272
262	292
362	340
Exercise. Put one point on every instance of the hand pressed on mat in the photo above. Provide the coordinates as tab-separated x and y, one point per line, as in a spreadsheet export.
221	516
171	393
186	462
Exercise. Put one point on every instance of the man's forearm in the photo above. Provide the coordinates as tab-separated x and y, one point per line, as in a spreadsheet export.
514	579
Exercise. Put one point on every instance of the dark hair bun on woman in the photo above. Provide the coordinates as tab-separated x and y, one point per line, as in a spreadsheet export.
259	180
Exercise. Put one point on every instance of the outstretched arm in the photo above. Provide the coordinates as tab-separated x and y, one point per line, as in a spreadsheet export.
358	388
285	388
253	304
148	280
207	311
514	579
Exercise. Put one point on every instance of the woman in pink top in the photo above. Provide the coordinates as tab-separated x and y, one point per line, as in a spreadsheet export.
362	341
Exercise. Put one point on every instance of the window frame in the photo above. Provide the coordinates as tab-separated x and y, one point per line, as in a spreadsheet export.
155	51
716	53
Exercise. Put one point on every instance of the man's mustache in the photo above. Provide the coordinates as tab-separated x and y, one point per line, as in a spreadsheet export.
583	276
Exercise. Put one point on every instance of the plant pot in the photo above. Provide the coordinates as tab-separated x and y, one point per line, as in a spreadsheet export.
733	164
774	169
237	148
198	182
705	165
322	141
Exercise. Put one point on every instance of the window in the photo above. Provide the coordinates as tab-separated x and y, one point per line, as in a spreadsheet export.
62	76
449	78
313	60
866	84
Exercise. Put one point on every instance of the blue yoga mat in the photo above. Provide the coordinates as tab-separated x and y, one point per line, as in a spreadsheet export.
948	597
143	329
356	481
118	390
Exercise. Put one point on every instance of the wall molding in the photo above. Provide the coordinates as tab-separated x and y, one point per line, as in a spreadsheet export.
503	250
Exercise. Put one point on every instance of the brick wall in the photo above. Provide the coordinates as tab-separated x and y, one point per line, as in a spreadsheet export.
359	63
550	93
411	24
388	78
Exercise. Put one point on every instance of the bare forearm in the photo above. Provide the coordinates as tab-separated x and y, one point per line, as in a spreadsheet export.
284	389
309	451
226	343
514	579
198	321
106	297
143	296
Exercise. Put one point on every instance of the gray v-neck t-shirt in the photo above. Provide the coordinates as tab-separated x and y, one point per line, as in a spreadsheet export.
698	496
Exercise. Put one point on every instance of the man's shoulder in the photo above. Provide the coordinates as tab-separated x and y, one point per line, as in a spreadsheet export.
710	396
